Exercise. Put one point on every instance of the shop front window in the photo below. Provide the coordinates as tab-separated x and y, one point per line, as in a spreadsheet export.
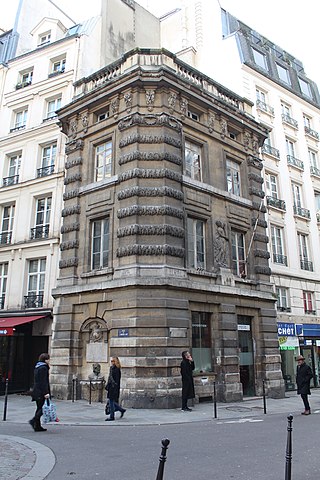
201	342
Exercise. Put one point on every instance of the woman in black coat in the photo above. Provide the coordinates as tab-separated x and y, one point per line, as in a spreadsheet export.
113	388
303	379
186	368
41	390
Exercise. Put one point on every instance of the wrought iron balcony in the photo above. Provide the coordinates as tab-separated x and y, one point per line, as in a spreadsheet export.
306	265
276	202
50	117
8	181
311	133
5	238
265	107
2	300
310	312
277	258
318	217
15	129
23	84
289	120
295	162
33	301
270	150
45	171
284	309
314	171
56	72
302	212
40	231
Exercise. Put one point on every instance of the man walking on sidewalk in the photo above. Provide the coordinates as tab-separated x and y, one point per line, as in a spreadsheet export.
303	378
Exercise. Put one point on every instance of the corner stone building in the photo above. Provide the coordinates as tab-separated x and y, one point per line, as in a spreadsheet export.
164	244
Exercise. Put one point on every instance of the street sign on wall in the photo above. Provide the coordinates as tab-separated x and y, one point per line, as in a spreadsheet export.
6	331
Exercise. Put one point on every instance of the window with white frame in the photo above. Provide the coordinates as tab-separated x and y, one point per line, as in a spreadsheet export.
3	282
290	145
238	257
313	158
201	341
36	282
52	106
20	119
7	223
286	109
44	38
42	218
305	263
14	164
271	185
233	177
305	88
25	78
103	161
58	65
283	74
100	243
282	299
307	121
196	243
297	195
277	245
261	95
192	158
260	59
308	302
48	158
317	204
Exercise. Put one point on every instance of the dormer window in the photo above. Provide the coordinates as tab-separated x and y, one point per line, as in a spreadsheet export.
44	38
25	78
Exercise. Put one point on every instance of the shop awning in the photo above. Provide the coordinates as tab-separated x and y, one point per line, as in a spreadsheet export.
7	323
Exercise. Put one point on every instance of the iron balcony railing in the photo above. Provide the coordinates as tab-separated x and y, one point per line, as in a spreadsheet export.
306	265
284	309
23	84
271	151
40	231
15	129
45	171
310	312
5	238
295	162
2	300
265	107
276	202
8	181
318	217
56	72
289	120
302	212
314	171
33	301
312	133
282	259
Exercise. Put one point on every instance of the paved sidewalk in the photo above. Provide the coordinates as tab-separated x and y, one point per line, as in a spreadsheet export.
25	459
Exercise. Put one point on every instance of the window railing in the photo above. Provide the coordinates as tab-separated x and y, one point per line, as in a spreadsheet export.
284	309
50	117
295	162
302	212
8	181
318	217
33	301
270	150
306	265
289	120
15	129
277	258
277	203
264	107
56	72
314	171
2	300
40	231
5	238
312	133
310	312
23	84
45	171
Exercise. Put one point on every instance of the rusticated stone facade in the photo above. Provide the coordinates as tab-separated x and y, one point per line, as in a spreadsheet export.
140	302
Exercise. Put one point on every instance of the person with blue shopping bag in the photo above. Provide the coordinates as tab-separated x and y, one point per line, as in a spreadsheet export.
41	390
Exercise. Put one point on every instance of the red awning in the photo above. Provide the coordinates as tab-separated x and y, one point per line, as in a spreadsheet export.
7	322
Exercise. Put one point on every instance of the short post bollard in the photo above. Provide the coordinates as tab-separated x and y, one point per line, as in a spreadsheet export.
289	449
162	458
74	389
215	400
90	387
264	397
5	400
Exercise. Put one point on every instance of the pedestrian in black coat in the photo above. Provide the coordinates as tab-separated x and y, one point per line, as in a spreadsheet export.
186	368
113	388
303	379
41	390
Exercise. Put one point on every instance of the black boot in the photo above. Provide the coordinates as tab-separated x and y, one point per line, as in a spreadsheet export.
32	422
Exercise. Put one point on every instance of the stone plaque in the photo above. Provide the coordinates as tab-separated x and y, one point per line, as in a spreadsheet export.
178	332
97	352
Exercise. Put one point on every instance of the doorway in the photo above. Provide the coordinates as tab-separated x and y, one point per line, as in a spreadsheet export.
246	355
307	352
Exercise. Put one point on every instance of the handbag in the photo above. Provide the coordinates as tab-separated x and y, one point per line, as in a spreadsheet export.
49	411
107	409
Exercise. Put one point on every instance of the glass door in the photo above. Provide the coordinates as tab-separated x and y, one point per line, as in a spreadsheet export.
246	355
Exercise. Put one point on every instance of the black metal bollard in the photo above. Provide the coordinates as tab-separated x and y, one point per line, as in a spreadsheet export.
90	386
5	400
162	458
215	400
264	397
287	475
74	389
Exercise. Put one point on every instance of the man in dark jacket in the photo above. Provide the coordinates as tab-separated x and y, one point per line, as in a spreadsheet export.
187	367
41	390
303	378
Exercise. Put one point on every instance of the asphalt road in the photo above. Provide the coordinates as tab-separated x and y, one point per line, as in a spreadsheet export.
250	449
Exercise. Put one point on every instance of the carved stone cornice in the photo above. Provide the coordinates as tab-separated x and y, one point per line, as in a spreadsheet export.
150	120
150	173
71	227
254	162
73	163
71	194
255	177
259	237
150	210
150	192
150	156
258	252
69	262
155	250
261	222
74	145
259	206
74	209
70	244
151	230
256	191
262	270
156	139
75	177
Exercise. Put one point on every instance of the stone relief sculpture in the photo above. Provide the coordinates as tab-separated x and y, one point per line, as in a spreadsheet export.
150	97
172	98
184	107
114	107
95	333
220	245
128	101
